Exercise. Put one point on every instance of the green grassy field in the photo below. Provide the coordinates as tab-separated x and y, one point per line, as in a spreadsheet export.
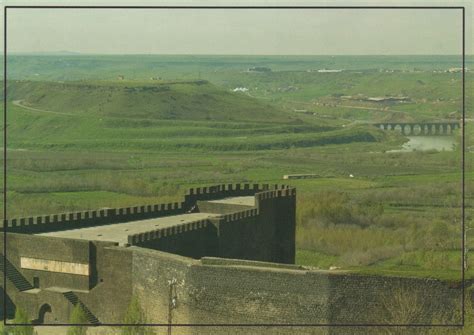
95	141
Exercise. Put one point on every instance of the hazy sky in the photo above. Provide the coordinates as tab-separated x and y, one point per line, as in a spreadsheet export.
231	31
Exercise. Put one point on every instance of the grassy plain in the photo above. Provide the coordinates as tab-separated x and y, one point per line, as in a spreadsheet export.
78	138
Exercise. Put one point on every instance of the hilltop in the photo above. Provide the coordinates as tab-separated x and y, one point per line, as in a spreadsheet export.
170	100
161	115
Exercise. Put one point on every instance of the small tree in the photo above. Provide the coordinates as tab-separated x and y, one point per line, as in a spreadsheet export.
78	316
403	305
21	318
439	234
135	315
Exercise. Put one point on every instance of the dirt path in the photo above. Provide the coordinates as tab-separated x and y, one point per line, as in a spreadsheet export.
19	104
370	108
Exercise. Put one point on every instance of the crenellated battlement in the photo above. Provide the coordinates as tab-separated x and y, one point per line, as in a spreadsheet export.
42	223
168	231
104	216
190	226
278	193
228	190
238	215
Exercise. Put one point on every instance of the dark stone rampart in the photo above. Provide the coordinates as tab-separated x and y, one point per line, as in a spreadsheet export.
229	291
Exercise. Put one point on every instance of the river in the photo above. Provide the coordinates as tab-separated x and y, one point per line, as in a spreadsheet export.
421	143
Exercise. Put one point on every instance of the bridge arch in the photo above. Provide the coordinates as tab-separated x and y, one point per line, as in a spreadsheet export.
417	129
398	128
421	128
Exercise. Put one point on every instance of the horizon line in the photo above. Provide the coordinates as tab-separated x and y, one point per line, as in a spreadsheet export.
76	53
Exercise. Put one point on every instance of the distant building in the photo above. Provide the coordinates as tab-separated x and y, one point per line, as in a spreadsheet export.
301	176
259	69
329	71
388	99
288	89
456	69
240	89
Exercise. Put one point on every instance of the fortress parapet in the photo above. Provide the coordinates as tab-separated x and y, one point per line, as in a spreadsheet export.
102	216
84	257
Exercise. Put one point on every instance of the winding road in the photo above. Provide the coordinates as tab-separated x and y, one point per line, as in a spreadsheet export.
19	104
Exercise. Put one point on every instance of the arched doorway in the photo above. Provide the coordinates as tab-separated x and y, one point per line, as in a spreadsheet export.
44	315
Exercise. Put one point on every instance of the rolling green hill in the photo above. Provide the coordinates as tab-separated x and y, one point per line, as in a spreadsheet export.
30	129
185	100
160	115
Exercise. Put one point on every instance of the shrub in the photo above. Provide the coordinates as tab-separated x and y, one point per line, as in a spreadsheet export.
135	315
21	318
78	316
438	233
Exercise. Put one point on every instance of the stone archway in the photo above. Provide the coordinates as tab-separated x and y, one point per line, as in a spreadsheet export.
417	129
448	129
398	128
44	315
421	128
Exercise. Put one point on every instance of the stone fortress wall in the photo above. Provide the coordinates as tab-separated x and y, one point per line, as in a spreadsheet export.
234	266
239	292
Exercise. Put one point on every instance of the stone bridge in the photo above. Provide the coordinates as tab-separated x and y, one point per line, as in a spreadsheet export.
421	128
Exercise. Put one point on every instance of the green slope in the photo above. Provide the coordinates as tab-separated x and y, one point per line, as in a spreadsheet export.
29	129
191	100
159	116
